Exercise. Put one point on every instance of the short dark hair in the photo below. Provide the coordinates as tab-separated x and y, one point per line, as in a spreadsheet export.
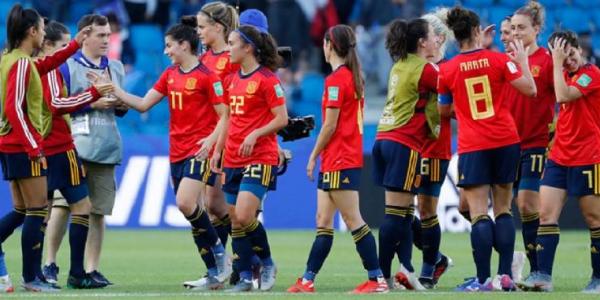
91	19
54	31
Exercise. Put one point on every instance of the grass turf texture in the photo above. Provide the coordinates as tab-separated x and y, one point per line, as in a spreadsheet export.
148	264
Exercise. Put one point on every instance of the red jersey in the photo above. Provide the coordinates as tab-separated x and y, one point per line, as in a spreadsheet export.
441	147
221	65
251	98
577	136
192	97
475	79
415	132
532	115
345	149
60	139
23	137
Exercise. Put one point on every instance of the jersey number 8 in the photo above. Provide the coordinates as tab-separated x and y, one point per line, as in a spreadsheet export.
484	95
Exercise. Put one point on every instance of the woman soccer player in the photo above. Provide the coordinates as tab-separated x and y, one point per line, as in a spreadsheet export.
65	171
250	158
339	145
401	133
488	141
532	115
25	120
573	165
198	112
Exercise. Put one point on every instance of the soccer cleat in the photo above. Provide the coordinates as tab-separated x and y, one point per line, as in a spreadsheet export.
593	286
408	279
503	283
96	275
372	287
194	283
537	282
302	286
472	285
39	286
208	283
441	267
427	282
84	282
518	263
244	285
223	266
267	277
50	272
6	285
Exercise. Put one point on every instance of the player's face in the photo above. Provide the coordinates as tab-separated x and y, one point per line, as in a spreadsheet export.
431	43
238	50
97	41
38	33
523	29
506	36
175	50
327	49
50	48
574	60
208	33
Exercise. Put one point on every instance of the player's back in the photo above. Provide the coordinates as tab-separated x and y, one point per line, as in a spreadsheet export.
475	79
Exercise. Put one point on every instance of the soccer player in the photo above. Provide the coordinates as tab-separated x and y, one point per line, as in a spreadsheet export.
65	172
488	141
250	155
506	33
215	22
25	120
573	165
533	117
435	157
93	123
198	113
401	133
339	145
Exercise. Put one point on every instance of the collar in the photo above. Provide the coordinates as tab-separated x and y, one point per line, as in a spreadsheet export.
81	59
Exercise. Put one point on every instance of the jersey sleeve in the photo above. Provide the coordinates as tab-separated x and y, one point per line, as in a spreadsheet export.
509	69
429	78
61	104
16	107
333	93
587	82
161	84
49	63
216	91
274	94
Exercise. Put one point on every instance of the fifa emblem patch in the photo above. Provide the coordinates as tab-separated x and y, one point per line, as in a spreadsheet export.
278	90
221	63
251	87
512	67
334	93
584	80
535	71
190	83
218	87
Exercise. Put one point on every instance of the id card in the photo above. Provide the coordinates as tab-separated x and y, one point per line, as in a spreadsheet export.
80	125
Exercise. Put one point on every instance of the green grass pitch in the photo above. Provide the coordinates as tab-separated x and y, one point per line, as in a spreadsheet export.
147	264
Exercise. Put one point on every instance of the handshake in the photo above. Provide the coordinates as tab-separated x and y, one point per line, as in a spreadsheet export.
106	88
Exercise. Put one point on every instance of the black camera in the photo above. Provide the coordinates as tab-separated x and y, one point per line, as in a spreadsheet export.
286	53
297	128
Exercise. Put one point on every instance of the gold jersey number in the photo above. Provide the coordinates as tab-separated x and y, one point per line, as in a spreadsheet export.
485	96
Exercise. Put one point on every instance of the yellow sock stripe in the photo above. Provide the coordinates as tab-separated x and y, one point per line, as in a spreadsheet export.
236	233
396	211
324	231
363	231
251	227
36	213
595	233
530	217
501	214
548	230
197	216
225	220
479	218
19	211
83	222
431	222
216	223
411	210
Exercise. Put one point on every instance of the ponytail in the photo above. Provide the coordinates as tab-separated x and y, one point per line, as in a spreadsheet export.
403	37
224	14
265	47
343	42
18	23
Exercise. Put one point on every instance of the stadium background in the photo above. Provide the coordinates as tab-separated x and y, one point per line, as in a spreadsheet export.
145	198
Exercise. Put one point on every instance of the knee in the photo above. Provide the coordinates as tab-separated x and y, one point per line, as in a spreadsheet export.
592	219
244	219
427	209
352	220
324	220
82	207
186	205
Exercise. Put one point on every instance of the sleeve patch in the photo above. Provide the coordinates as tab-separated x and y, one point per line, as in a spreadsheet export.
512	67
278	90
333	93
218	87
584	80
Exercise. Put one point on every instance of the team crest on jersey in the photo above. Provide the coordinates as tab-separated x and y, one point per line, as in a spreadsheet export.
251	87
170	81
584	80
221	63
190	83
535	71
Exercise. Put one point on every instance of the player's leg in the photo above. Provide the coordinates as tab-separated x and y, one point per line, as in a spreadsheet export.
57	227
8	224
590	208
321	246
218	211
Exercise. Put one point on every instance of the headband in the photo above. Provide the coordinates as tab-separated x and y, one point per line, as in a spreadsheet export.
213	18
247	39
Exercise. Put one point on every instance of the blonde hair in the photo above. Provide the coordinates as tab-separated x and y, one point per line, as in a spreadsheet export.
437	19
222	13
535	11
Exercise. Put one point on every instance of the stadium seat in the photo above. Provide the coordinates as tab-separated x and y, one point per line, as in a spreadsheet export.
575	19
448	3
312	87
147	38
550	4
596	43
477	3
159	113
2	36
5	7
587	4
149	63
497	14
514	4
79	8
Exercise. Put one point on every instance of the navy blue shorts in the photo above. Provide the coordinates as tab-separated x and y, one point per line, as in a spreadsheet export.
256	178
194	169
433	174
395	166
66	174
531	167
348	179
577	181
19	166
490	166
